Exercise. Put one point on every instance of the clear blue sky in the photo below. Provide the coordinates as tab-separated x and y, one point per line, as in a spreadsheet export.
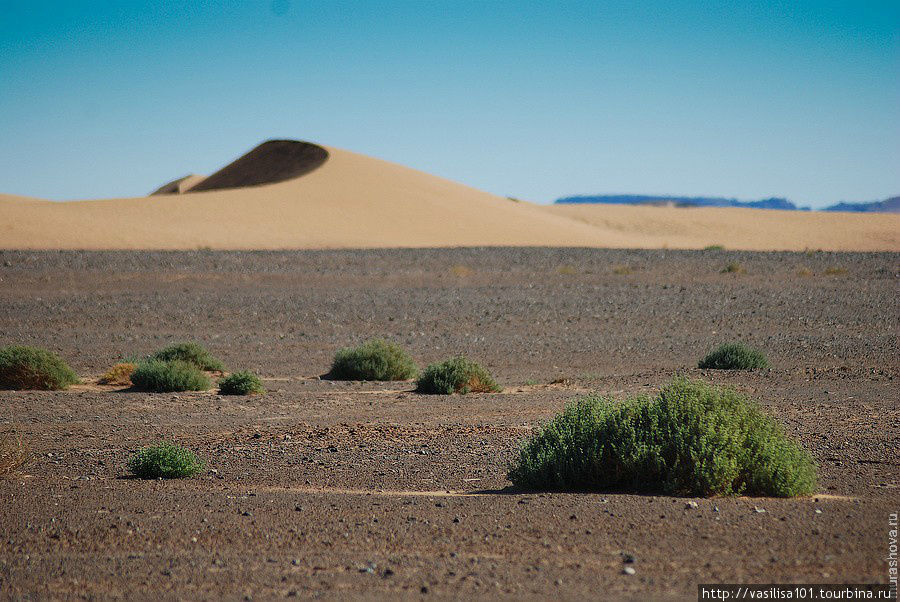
529	99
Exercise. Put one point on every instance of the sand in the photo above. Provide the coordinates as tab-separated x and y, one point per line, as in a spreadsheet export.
356	201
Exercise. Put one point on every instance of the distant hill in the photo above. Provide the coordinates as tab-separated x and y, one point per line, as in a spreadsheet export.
681	201
891	205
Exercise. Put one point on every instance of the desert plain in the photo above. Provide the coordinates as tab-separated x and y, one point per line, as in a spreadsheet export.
369	490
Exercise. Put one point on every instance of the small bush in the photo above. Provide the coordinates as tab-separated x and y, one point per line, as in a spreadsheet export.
567	270
733	268
192	353
621	270
373	360
714	248
461	271
162	377
241	383
734	356
691	439
33	368
13	452
119	374
456	375
833	271
164	461
804	271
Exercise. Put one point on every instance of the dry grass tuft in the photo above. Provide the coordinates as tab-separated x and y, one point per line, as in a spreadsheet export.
835	271
733	268
120	374
461	271
621	270
13	452
567	270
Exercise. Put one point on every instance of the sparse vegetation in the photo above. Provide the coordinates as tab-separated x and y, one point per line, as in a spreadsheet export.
835	271
621	270
164	461
734	356
13	452
456	375
714	248
241	383
373	360
804	272
461	271
692	438
567	270
161	376
193	353
119	374
733	268
33	368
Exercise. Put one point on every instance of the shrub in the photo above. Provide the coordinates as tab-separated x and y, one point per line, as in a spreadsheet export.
119	374
456	375
691	439
33	368
164	461
192	353
567	270
241	383
621	270
714	248
461	271
733	268
734	356
163	377
833	271
13	452
373	360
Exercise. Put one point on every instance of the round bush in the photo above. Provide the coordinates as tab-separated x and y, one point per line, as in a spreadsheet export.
162	377
734	356
456	375
33	368
119	374
164	461
241	383
691	439
373	360
193	353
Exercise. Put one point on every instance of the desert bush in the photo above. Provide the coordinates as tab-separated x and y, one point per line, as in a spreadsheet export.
119	374
13	452
691	439
461	271
734	356
456	375
164	461
373	360
193	353
161	376
835	271
567	270
621	270
733	268
241	383
33	368
714	248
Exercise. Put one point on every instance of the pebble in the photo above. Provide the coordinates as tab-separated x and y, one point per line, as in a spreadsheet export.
628	570
691	504
759	510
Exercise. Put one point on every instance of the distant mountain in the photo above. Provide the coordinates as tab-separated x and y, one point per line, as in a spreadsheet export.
682	201
891	205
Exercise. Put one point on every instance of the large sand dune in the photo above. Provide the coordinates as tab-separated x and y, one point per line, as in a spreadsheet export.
291	195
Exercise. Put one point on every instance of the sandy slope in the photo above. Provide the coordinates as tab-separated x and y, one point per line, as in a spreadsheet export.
625	226
357	201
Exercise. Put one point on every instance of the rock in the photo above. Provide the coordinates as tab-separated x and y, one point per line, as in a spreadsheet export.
628	570
759	510
691	504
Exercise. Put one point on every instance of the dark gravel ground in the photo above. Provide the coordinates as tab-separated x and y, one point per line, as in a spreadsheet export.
362	490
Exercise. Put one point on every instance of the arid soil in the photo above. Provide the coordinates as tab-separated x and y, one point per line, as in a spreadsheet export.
368	490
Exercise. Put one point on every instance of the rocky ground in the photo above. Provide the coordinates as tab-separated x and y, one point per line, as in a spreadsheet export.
361	490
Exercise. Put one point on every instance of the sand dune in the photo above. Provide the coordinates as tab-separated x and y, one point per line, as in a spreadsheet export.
324	197
179	186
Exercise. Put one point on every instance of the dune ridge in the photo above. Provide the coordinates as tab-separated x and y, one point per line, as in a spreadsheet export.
289	195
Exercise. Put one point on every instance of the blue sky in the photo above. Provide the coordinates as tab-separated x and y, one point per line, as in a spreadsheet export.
530	99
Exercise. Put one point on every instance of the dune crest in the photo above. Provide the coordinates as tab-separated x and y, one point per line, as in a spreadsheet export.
179	186
295	195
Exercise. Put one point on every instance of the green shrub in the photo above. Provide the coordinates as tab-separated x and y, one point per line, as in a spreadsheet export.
33	368
714	248
241	383
734	356
192	353
691	439
160	376
456	375
373	360
164	461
